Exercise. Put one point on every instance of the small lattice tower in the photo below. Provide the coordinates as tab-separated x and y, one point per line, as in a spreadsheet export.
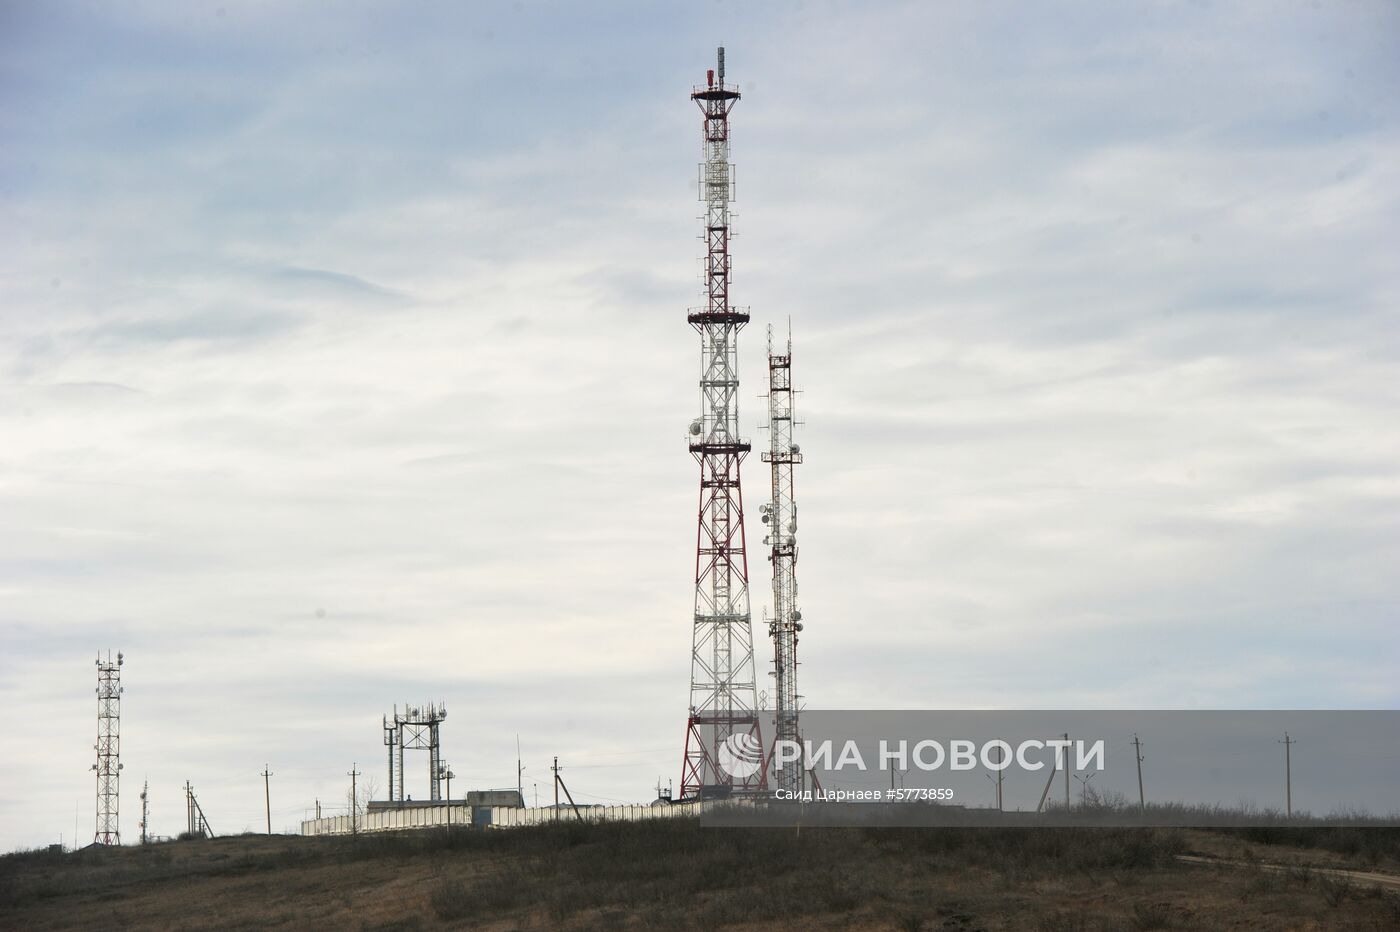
108	766
414	729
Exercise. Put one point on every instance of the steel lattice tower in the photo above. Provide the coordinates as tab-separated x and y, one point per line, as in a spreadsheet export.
723	696
780	515
415	729
108	766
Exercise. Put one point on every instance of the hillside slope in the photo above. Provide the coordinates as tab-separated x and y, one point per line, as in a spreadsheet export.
675	874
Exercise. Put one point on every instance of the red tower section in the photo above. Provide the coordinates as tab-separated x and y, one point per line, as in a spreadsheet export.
724	751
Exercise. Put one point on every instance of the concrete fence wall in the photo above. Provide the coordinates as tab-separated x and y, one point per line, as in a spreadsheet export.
394	820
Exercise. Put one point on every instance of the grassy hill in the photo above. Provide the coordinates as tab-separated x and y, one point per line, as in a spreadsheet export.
675	874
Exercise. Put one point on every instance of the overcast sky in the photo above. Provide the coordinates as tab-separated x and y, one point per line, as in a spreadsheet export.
343	362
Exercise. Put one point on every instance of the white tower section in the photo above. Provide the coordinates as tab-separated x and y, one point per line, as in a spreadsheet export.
780	521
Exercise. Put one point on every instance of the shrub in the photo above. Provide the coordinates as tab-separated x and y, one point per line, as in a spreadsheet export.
1335	888
451	899
1151	916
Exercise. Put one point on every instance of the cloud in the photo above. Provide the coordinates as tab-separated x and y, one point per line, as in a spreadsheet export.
345	364
337	281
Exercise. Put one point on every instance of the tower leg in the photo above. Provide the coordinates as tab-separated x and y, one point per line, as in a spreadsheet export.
399	788
434	763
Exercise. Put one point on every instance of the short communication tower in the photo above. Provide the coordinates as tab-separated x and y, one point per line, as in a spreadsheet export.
780	520
145	811
414	729
723	696
108	766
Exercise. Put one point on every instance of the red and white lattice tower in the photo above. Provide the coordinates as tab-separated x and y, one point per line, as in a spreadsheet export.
723	745
108	766
780	518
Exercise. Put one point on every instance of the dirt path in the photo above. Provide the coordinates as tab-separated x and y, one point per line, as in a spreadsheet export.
1388	881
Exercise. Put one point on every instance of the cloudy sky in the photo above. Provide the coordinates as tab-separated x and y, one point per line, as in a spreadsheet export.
343	362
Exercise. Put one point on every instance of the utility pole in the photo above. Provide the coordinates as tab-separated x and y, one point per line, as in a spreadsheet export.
1137	752
558	784
197	825
1001	775
1288	743
354	798
520	771
1066	752
267	797
1084	788
997	780
1061	756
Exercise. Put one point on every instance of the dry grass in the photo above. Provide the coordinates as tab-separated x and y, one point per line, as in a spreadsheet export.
675	874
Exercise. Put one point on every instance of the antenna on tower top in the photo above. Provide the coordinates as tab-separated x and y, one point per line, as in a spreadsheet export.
720	69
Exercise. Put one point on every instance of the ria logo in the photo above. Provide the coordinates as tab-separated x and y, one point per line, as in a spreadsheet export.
741	756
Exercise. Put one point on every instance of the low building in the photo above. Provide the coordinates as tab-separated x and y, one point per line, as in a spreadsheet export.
481	802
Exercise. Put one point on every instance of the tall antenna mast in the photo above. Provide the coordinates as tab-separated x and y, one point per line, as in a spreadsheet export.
723	695
780	515
108	766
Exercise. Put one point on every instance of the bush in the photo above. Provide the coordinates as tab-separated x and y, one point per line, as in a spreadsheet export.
1151	916
451	899
1335	888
